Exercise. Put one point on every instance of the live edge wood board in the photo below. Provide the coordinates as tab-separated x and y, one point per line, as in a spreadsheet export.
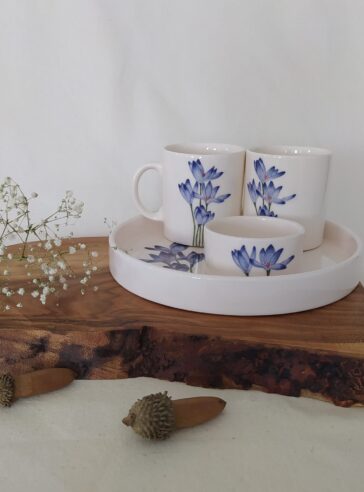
112	333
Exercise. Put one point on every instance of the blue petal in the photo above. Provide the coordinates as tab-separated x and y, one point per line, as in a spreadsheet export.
221	198
176	247
275	256
278	266
262	256
269	253
256	263
288	260
253	254
260	170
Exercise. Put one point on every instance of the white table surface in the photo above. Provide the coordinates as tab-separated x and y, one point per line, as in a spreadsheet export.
73	441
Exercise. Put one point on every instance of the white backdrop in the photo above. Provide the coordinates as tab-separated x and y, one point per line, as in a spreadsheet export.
90	90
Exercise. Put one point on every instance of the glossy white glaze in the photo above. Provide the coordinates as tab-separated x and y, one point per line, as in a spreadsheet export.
176	213
305	176
236	245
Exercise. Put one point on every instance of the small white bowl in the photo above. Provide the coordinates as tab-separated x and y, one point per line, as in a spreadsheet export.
254	246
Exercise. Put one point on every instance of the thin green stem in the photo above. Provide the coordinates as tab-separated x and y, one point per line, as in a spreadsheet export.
194	226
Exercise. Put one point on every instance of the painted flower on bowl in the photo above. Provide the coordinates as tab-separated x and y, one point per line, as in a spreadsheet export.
243	260
268	259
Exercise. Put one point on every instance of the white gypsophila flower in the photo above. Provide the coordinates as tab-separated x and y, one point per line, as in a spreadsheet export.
94	254
7	307
96	288
94	268
19	305
4	290
44	266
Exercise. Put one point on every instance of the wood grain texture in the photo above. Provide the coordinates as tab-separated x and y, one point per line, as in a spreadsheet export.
115	334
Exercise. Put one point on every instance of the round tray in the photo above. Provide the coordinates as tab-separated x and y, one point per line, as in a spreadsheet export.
329	273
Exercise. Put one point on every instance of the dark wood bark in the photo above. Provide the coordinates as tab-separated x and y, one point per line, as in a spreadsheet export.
114	334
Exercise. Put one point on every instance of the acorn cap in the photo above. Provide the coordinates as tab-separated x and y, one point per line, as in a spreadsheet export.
152	417
7	390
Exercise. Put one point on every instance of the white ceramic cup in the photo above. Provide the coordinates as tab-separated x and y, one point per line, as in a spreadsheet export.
201	182
288	182
253	246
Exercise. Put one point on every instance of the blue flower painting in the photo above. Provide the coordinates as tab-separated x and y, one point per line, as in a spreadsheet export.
200	197
243	260
174	257
268	259
265	193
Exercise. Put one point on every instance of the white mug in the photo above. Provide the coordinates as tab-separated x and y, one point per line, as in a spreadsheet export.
201	182
253	246
288	182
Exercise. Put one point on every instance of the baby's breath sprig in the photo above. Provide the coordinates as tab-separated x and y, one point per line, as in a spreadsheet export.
41	249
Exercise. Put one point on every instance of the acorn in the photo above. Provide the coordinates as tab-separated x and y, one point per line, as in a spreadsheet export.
33	383
7	389
156	416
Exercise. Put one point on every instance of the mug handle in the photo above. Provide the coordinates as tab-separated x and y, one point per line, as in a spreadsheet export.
158	215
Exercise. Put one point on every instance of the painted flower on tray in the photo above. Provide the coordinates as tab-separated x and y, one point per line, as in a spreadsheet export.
243	260
173	257
200	196
265	193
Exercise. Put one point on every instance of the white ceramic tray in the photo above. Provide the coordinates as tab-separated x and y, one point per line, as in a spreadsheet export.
329	273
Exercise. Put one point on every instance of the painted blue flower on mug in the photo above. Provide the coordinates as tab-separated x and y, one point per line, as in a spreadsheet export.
173	257
264	193
268	259
200	196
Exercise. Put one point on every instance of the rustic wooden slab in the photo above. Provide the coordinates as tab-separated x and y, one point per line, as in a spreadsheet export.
115	334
